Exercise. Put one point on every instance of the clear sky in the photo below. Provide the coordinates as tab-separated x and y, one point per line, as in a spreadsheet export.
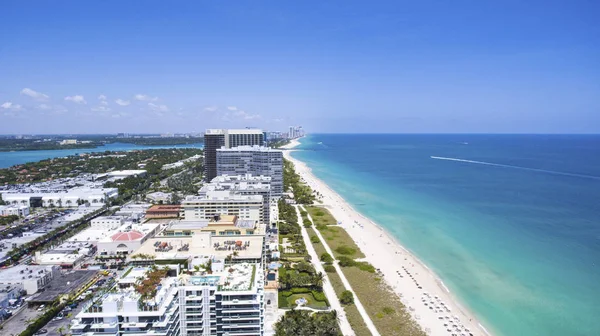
344	66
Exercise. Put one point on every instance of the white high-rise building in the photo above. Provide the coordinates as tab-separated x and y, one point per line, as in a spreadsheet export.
228	138
244	185
222	202
253	160
229	301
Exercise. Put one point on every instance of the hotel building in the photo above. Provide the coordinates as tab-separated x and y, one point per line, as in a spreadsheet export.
225	202
244	185
228	138
253	160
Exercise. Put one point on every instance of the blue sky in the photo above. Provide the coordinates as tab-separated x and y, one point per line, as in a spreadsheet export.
344	66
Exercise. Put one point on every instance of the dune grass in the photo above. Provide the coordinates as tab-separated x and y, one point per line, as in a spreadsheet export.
321	216
340	241
319	248
387	312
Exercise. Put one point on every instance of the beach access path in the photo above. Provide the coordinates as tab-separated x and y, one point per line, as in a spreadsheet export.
334	301
338	269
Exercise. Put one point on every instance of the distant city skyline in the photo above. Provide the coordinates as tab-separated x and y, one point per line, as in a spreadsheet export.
351	67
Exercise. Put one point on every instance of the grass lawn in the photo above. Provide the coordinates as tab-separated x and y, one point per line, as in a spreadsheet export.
291	300
354	317
383	306
356	321
336	283
321	215
337	237
319	248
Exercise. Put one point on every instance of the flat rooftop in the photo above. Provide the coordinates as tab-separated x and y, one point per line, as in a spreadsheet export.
234	277
203	244
14	273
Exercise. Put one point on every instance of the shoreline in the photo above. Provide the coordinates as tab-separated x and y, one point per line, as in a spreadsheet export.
395	262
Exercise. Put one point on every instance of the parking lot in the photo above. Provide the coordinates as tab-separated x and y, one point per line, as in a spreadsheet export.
19	321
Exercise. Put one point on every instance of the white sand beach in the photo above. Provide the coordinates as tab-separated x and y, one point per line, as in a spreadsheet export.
432	305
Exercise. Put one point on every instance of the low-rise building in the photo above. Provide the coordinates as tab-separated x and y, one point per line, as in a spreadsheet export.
159	197
66	255
247	248
107	222
224	225
14	210
31	277
121	174
223	202
127	239
61	198
163	211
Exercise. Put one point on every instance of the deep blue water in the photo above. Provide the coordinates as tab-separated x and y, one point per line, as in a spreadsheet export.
518	244
8	159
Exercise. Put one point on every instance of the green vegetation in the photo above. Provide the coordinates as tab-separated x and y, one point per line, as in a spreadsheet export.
326	258
152	161
345	250
383	306
278	143
339	240
345	261
321	216
347	297
315	299
356	321
90	141
39	144
319	248
291	181
148	286
302	322
158	141
298	280
41	321
290	230
8	219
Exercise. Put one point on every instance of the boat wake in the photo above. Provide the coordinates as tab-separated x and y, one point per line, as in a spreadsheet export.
517	167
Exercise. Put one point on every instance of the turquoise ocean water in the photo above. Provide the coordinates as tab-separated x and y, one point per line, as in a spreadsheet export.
8	159
513	229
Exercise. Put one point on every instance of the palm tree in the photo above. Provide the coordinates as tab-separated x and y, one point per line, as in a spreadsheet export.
60	330
318	279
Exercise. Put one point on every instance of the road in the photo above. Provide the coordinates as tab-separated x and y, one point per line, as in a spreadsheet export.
327	287
357	303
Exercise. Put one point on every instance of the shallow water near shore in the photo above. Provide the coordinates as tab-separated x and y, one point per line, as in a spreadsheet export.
509	222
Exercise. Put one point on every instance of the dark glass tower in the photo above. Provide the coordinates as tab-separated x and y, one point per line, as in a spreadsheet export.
217	138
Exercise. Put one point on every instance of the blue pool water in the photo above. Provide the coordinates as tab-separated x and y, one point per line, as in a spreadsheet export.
511	223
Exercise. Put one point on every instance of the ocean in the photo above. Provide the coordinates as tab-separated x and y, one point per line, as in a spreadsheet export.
510	223
9	159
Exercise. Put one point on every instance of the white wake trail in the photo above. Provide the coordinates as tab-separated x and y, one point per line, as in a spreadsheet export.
516	167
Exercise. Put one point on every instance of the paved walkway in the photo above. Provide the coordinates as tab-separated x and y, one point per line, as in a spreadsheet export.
338	269
334	302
